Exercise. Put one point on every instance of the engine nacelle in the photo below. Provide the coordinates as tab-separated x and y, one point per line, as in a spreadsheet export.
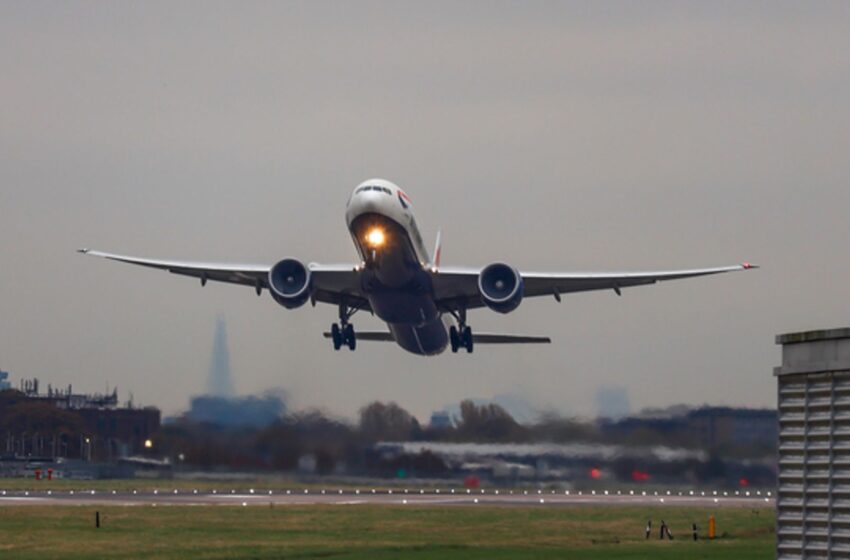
501	287
290	283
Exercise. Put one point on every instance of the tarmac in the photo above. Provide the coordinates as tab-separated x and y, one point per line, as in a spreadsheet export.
399	497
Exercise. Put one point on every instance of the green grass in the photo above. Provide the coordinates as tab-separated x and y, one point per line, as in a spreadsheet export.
367	531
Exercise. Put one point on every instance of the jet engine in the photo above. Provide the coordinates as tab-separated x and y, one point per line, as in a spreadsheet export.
289	283
500	286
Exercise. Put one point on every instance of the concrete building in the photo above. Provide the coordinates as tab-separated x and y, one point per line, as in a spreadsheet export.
813	500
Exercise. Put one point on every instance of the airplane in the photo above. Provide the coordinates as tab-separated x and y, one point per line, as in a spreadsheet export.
397	280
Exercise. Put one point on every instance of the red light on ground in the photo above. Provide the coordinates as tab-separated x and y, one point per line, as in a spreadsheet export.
744	482
595	473
639	476
472	482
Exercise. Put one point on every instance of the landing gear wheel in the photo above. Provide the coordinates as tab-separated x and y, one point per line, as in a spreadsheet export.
460	336
343	332
467	339
454	338
350	337
336	335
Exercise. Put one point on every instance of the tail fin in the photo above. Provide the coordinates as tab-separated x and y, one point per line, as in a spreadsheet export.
435	258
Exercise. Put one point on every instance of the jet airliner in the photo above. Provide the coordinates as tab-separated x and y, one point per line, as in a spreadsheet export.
423	303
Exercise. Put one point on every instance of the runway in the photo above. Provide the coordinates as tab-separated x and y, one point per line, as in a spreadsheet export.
397	497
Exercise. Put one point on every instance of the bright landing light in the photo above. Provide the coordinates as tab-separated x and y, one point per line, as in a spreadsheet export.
375	237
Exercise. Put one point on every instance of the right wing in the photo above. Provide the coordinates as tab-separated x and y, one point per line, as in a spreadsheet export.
330	282
459	286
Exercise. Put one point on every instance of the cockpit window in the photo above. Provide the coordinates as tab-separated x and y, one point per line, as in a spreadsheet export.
384	190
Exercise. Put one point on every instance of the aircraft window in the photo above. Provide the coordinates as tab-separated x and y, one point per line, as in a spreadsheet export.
384	190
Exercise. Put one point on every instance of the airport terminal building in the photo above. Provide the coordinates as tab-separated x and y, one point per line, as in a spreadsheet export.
813	500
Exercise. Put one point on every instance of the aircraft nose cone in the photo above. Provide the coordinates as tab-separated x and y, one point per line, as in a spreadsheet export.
368	201
365	203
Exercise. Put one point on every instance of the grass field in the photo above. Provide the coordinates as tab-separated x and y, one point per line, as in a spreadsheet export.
364	531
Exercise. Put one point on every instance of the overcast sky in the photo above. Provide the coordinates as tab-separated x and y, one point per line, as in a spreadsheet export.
554	136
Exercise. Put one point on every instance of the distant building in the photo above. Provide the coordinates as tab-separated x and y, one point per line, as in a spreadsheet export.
243	412
713	427
542	461
95	426
4	384
612	402
709	427
440	420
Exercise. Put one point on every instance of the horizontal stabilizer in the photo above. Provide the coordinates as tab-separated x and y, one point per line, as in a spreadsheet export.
376	336
488	338
482	338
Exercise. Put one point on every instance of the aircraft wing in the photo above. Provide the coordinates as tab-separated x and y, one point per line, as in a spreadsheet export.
459	286
330	282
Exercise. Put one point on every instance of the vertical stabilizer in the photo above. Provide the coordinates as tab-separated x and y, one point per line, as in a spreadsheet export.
435	259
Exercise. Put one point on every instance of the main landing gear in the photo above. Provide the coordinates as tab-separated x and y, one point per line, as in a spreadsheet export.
342	333
460	336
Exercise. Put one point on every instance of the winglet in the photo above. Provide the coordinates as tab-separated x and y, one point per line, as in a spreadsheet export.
83	250
435	260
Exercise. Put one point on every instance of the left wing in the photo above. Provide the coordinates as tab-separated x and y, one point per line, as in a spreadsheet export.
330	282
457	286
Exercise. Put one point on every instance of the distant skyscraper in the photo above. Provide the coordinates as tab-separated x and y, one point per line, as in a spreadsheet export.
612	402
220	383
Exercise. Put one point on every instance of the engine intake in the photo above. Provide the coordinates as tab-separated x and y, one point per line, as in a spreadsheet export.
289	283
501	287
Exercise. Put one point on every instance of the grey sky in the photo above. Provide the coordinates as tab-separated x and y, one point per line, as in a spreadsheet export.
555	136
